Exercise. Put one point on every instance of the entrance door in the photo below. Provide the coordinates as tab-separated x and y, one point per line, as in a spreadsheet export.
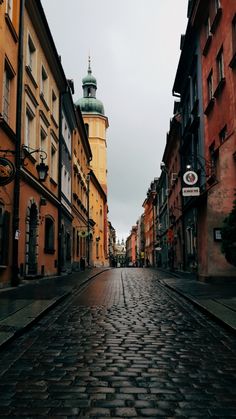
32	255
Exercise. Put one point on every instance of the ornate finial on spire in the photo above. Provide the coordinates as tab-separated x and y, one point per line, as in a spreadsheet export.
89	65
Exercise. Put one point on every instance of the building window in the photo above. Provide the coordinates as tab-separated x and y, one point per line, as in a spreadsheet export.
44	83
223	134
233	60
6	94
54	105
234	34
217	5
49	235
210	86
29	128
9	8
31	60
220	65
53	165
43	140
207	27
214	157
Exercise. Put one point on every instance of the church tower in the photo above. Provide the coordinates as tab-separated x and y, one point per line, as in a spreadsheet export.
96	124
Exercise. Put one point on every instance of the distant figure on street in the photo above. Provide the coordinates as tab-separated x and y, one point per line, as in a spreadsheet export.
147	263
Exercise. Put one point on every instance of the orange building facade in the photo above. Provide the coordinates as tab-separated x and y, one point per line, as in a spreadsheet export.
43	80
9	49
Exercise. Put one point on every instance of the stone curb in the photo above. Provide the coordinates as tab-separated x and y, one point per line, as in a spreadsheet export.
202	308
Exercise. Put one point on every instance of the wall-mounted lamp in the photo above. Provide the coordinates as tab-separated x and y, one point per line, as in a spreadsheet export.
41	168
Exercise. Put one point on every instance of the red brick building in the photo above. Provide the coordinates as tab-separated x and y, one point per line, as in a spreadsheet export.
217	28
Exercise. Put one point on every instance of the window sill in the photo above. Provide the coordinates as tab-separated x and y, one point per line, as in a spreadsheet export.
209	106
11	27
216	20
220	87
44	101
207	45
49	251
6	128
54	121
30	74
53	181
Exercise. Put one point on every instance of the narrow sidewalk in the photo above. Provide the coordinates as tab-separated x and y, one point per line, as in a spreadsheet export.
218	300
22	306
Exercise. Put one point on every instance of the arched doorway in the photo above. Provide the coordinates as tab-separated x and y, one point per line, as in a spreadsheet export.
32	241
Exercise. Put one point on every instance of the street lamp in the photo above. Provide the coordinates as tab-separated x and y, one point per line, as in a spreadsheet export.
41	168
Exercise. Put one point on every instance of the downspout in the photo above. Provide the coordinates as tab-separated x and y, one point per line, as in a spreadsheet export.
16	198
59	261
88	215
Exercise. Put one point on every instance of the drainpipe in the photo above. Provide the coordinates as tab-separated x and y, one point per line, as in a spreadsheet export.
16	198
59	262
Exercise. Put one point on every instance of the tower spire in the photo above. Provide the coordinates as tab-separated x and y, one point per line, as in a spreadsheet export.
89	65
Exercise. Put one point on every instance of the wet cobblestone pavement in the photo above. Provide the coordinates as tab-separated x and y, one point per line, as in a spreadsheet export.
125	347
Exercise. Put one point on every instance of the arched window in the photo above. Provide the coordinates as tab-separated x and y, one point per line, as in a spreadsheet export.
49	235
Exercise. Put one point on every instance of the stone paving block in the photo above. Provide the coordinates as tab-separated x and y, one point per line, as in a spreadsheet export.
126	412
150	357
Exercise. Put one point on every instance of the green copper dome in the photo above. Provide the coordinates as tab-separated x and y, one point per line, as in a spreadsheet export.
89	79
89	103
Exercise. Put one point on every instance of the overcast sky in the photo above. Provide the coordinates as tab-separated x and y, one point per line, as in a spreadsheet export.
134	49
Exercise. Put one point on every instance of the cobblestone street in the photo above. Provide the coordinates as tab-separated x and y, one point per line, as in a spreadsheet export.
125	347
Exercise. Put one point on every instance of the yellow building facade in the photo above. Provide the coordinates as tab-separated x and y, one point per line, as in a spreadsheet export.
81	157
96	124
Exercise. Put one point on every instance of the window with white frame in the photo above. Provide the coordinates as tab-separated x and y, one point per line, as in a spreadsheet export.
217	5
9	5
210	86
31	58
207	27
29	128
220	65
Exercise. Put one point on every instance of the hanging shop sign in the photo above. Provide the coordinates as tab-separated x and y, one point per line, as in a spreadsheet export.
7	171
190	178
191	191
